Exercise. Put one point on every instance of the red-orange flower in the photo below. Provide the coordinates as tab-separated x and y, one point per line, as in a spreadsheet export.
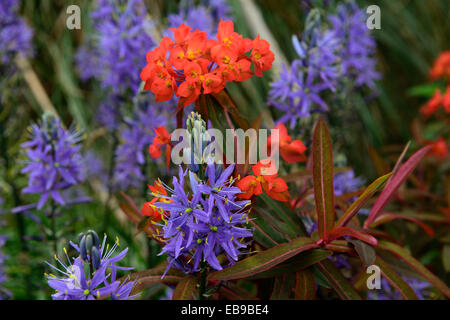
437	100
162	138
441	67
446	100
266	178
291	151
261	55
439	148
193	65
149	209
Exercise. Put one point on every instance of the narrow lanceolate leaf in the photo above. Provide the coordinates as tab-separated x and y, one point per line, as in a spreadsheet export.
394	183
283	287
305	285
365	252
362	200
416	265
150	277
340	232
185	288
446	257
387	217
299	262
264	260
337	281
395	280
232	291
323	178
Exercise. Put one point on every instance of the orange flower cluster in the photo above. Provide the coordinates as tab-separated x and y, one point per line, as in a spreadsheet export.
265	179
291	150
193	65
436	101
441	67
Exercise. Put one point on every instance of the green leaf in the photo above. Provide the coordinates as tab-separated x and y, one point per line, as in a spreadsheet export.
446	257
264	260
283	287
323	178
285	214
299	262
395	280
337	281
232	291
276	226
424	90
185	288
366	253
305	285
362	200
147	278
414	264
265	234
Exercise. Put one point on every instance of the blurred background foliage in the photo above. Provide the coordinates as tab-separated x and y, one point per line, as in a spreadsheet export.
412	34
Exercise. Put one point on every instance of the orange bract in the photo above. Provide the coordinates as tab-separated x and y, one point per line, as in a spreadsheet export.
266	178
441	67
162	138
149	209
291	151
191	64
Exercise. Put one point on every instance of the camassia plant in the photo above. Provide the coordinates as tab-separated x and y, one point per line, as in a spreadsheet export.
220	247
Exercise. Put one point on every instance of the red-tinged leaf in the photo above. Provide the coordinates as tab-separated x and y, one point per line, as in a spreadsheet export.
185	288
362	200
387	217
262	236
148	281
446	257
130	213
323	178
305	285
280	227
337	281
297	263
152	276
284	213
339	246
283	287
394	183
395	280
264	260
130	209
231	291
339	232
414	264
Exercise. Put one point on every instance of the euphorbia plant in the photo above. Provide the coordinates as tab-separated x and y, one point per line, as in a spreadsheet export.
196	69
285	251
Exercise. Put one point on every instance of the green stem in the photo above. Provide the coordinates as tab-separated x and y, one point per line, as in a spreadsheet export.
112	165
53	225
202	287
